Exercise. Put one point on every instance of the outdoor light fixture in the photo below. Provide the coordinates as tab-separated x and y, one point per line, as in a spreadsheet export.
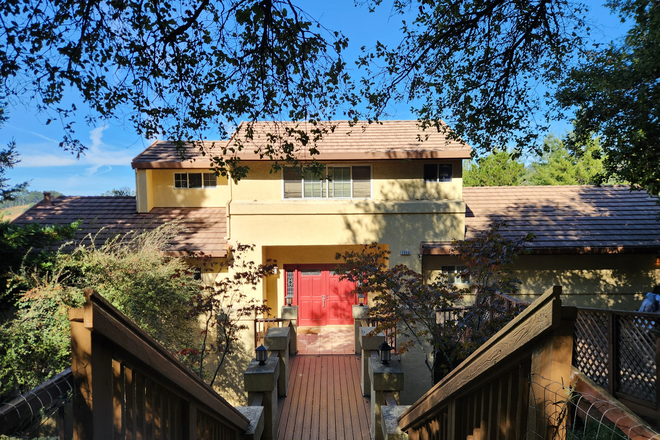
385	354
288	299
262	354
361	298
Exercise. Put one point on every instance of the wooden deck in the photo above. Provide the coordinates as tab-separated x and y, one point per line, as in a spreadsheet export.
324	400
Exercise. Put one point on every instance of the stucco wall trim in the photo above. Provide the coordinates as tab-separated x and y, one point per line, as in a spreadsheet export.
334	207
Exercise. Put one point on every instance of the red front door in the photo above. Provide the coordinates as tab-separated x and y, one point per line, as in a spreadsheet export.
321	297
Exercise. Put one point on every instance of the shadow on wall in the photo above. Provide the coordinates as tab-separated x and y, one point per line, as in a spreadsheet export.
229	383
405	223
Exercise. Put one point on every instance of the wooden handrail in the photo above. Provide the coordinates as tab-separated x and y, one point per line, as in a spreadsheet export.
105	343
541	317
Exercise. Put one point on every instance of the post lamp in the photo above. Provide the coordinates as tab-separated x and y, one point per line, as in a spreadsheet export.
262	354
361	298
385	354
288	299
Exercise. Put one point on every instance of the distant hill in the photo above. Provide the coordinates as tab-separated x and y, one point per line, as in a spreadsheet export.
27	198
13	212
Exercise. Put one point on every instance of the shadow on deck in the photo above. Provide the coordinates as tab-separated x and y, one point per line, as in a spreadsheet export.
324	401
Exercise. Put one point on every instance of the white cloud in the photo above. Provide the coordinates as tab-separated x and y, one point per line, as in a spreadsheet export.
47	160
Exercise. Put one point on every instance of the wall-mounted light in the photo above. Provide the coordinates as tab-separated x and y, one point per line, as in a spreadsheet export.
261	353
657	261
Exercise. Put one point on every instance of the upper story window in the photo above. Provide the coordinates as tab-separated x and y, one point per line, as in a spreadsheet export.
456	274
337	182
437	172
195	180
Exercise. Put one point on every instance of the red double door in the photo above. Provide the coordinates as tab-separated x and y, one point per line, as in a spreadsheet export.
322	298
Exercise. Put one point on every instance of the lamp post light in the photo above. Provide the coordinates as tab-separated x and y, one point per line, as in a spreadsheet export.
361	298
261	353
385	352
288	299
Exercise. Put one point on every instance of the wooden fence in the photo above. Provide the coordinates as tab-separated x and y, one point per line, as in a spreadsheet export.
490	395
129	387
620	351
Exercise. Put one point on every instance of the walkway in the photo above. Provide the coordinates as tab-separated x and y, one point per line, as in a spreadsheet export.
324	400
326	340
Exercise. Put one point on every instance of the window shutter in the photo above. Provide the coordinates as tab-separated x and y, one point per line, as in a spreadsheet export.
292	184
362	182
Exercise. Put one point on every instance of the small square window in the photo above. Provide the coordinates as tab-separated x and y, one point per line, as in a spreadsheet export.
194	180
438	172
210	180
455	274
180	180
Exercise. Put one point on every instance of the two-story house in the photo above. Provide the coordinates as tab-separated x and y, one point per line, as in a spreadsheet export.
391	183
382	183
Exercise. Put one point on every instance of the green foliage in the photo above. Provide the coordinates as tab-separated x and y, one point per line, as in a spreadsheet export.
559	166
124	191
406	304
499	168
153	290
27	245
177	70
25	197
617	95
223	306
477	65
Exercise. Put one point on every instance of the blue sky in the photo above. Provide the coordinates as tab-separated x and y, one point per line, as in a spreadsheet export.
106	164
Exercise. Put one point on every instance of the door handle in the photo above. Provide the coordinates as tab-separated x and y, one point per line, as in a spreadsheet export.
323	298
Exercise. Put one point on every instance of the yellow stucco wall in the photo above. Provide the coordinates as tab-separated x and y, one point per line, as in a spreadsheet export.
165	195
391	180
617	281
144	190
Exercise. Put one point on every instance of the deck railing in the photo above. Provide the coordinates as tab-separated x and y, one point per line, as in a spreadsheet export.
128	386
620	351
262	325
490	395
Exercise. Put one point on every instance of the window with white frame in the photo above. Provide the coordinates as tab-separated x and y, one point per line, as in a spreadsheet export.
338	182
456	274
438	172
195	180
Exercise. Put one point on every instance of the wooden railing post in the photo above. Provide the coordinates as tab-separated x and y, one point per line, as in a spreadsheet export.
277	340
384	378
359	313
368	344
263	379
612	351
291	313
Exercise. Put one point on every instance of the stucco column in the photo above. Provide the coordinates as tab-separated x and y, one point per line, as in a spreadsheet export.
368	344
384	378
263	379
359	312
277	340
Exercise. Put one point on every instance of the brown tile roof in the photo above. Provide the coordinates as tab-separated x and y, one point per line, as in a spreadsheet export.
377	141
565	219
204	228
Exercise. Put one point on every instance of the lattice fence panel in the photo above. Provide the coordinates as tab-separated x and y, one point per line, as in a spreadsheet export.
590	349
636	358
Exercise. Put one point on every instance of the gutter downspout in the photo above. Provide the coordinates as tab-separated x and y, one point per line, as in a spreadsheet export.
228	207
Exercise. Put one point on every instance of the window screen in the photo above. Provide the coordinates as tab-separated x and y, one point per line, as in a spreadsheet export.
437	172
313	185
292	184
180	180
455	274
194	180
340	181
210	180
362	182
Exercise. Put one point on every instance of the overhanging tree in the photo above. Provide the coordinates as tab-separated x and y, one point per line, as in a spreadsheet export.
173	69
478	65
616	94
